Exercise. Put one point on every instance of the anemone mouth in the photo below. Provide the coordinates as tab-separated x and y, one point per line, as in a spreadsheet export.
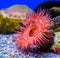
32	31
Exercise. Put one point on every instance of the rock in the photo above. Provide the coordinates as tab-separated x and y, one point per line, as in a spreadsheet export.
20	8
20	11
55	11
15	14
56	21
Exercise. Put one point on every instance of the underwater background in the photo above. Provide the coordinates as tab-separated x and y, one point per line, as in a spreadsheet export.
30	3
8	48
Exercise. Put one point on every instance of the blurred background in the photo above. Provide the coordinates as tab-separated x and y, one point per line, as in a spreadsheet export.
30	3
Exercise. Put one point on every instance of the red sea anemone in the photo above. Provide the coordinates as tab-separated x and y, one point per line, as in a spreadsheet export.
36	33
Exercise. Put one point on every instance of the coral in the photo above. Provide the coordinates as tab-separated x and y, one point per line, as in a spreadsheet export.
36	33
8	25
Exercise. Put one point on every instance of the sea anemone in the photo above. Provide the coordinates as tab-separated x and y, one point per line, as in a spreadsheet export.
36	33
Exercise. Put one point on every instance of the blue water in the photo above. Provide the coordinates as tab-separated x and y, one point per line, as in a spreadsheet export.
30	3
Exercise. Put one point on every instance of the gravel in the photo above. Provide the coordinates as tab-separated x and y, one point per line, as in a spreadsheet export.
8	49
